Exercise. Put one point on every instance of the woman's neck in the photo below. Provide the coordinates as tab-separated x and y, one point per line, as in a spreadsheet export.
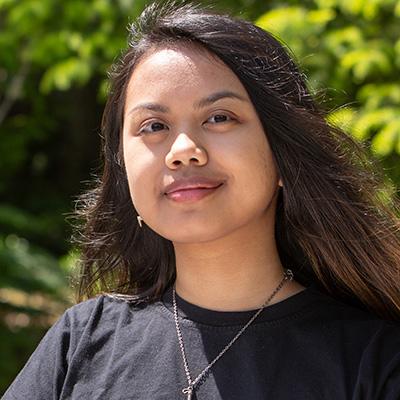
231	274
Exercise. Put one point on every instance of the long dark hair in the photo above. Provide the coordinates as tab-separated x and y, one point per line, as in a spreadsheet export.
336	224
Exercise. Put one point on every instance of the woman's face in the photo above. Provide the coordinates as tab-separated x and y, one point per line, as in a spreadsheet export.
187	115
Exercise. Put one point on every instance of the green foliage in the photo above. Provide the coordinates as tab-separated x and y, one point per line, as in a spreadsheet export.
351	47
53	65
30	269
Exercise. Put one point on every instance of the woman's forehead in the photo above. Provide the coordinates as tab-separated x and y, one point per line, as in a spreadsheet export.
180	69
186	49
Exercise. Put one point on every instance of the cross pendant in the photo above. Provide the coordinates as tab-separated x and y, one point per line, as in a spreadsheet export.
188	391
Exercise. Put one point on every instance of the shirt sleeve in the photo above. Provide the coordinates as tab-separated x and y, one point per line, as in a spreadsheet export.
43	375
379	376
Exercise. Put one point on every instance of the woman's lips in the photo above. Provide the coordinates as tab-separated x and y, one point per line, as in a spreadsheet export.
194	194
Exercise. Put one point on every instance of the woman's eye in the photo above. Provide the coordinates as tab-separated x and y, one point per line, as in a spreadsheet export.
152	127
217	118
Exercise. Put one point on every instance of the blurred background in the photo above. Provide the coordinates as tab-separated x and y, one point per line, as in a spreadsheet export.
54	58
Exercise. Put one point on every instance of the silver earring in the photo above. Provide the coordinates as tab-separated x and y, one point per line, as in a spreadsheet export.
139	219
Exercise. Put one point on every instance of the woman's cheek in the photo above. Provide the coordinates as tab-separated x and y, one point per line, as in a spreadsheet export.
142	179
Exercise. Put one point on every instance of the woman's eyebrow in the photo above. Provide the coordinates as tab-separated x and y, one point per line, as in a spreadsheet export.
212	98
149	106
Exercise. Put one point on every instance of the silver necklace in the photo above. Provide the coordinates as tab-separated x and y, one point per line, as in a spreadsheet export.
189	390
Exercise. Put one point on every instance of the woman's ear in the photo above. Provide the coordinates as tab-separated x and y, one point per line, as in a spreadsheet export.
280	183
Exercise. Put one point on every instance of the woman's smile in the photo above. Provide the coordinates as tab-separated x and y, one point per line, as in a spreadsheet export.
190	195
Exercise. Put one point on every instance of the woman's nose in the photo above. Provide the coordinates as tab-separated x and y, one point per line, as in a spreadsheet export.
184	150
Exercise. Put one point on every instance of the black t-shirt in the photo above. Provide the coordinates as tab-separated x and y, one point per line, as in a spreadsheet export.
307	346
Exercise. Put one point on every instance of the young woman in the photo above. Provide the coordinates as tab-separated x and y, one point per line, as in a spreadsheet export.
236	246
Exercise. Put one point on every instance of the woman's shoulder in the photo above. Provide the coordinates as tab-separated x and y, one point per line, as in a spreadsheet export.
103	309
351	320
331	307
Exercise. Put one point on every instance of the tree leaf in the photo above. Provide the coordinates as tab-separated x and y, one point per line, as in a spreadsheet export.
385	140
